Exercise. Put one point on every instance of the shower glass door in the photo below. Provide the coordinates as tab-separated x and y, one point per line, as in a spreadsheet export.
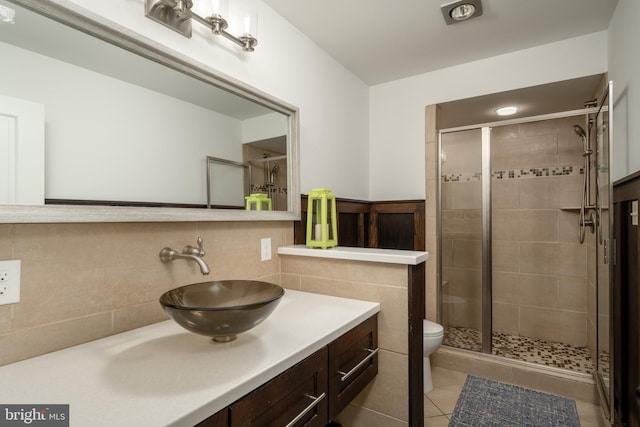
463	222
516	281
605	226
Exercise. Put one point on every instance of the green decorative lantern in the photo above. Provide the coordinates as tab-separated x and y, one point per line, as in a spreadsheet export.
258	202
322	229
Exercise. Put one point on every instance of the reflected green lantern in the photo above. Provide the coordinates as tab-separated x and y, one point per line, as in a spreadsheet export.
322	229
258	202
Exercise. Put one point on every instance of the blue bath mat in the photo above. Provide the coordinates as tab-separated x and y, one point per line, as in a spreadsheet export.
485	402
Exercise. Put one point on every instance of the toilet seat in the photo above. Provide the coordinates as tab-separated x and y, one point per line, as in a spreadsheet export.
431	329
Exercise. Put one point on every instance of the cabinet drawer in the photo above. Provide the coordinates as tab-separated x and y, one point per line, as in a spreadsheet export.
353	362
299	393
220	419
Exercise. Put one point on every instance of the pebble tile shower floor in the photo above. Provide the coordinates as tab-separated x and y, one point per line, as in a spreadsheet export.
554	354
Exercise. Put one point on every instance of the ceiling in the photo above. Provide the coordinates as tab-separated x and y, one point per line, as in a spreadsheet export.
567	95
382	40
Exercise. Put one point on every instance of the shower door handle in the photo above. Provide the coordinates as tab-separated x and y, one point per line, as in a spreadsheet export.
609	251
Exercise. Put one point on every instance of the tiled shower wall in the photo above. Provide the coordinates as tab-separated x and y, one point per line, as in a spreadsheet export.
539	268
277	192
81	282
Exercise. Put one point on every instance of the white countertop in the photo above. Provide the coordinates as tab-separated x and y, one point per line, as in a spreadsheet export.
163	375
389	256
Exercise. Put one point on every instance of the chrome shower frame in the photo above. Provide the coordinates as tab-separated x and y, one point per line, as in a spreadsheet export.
605	386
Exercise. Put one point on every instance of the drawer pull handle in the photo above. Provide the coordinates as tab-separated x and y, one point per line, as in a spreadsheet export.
346	375
316	400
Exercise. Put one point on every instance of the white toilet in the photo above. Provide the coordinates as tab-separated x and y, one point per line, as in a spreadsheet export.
431	339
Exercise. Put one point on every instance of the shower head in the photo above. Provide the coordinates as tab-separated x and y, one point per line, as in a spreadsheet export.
581	133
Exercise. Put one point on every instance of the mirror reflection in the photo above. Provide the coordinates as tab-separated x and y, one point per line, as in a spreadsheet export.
118	129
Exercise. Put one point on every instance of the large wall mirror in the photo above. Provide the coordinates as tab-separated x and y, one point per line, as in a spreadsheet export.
98	124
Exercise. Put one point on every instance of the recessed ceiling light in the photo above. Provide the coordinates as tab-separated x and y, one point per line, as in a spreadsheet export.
463	11
460	10
506	111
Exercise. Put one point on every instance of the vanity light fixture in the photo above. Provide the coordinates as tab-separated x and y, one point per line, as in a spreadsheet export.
506	111
7	14
460	10
178	15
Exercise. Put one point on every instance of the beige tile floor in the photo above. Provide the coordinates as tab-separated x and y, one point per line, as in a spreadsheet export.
447	385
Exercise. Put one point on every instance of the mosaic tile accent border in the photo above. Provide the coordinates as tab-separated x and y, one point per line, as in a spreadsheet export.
517	173
558	355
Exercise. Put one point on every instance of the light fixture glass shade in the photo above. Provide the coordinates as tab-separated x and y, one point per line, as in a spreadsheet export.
7	14
219	7
207	8
250	25
463	11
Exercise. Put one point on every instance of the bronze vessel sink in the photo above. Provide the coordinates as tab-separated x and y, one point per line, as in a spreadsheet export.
221	309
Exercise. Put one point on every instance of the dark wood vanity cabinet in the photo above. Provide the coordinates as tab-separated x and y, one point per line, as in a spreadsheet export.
314	391
625	294
300	393
220	419
353	362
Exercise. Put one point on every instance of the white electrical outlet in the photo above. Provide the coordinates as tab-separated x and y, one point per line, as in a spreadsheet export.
265	249
9	282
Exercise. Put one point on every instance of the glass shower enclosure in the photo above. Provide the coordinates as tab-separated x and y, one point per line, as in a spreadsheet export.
516	280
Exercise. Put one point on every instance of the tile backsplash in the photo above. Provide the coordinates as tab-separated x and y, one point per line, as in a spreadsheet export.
81	282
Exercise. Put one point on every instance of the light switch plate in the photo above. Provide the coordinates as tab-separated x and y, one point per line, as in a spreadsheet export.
9	281
265	249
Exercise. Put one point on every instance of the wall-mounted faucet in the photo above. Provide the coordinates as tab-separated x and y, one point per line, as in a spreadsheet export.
189	252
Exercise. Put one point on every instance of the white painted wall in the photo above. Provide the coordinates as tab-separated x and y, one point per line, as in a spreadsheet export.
264	127
624	70
333	102
397	118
